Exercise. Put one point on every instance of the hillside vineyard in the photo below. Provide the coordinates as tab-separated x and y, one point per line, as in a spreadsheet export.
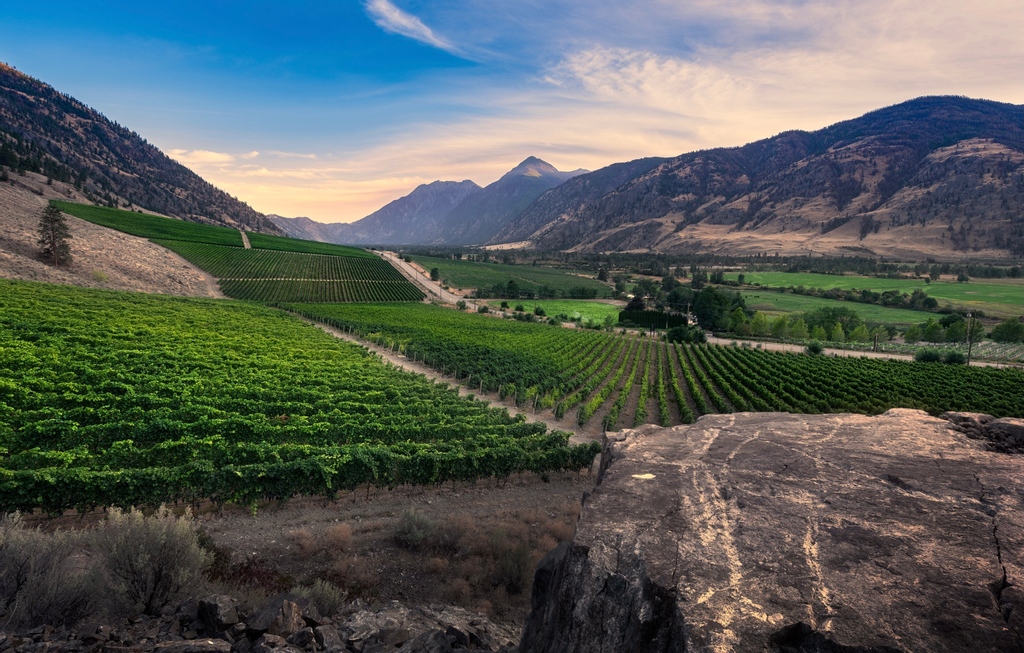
124	399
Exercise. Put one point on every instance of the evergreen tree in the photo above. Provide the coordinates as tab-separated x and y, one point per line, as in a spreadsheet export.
837	335
53	236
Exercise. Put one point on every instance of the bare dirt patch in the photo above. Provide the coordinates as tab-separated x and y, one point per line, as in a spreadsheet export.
102	258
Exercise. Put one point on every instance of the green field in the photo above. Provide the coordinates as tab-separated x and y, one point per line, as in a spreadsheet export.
151	226
587	310
777	303
110	398
591	373
997	297
473	274
265	241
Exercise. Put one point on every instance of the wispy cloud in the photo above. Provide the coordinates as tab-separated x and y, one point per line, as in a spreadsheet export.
392	19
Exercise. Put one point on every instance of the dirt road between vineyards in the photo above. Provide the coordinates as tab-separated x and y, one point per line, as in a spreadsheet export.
433	290
401	361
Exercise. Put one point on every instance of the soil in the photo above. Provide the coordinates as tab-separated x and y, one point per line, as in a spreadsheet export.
101	257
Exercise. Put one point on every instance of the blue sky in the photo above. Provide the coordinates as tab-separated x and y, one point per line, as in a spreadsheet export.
332	109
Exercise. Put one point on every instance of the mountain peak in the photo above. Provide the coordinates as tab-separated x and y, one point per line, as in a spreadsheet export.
532	167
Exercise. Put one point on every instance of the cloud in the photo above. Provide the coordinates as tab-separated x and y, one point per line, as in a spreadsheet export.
189	157
391	19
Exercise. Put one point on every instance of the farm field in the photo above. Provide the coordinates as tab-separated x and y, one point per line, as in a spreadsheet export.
997	297
618	381
152	226
474	274
127	399
588	310
778	303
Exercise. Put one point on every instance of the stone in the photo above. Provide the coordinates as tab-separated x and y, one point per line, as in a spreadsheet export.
279	615
774	532
194	646
433	642
301	638
218	612
328	639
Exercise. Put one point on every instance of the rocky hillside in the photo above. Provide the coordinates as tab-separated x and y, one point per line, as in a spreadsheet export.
48	132
935	176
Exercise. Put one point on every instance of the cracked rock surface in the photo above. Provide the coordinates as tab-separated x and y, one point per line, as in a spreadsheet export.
778	532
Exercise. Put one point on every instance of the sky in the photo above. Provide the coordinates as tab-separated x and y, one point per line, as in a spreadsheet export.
332	109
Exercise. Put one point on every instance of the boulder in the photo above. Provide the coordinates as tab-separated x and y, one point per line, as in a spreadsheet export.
279	615
328	639
774	532
217	612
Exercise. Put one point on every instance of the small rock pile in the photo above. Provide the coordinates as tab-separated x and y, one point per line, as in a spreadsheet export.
285	623
1004	435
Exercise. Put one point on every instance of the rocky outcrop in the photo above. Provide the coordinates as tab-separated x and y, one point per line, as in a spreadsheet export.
285	623
1005	435
777	532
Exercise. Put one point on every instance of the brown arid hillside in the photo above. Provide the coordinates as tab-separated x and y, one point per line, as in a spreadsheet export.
45	131
101	257
939	177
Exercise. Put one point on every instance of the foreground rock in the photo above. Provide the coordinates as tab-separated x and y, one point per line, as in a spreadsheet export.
777	532
285	623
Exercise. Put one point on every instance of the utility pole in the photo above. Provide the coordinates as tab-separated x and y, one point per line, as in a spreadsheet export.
970	336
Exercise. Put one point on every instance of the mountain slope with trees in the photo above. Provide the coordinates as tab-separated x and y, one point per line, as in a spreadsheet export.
51	133
935	176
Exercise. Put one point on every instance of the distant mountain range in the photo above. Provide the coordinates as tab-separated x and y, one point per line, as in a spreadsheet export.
45	131
442	212
933	177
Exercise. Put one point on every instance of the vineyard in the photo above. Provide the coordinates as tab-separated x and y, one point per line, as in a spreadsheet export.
619	382
276	269
126	399
152	226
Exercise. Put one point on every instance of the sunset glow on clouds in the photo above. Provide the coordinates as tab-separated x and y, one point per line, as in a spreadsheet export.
333	111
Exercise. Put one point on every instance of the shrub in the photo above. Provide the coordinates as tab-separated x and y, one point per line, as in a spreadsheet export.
519	308
954	358
690	333
539	312
414	527
514	565
928	356
461	305
328	598
339	537
40	582
147	562
483	309
815	348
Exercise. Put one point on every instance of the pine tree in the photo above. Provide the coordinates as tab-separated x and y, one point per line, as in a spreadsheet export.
54	235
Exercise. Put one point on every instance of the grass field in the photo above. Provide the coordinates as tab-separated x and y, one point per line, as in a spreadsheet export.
777	303
473	274
997	297
588	310
151	226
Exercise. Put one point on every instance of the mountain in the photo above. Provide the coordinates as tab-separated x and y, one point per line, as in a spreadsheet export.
574	194
442	212
408	219
484	213
934	176
45	131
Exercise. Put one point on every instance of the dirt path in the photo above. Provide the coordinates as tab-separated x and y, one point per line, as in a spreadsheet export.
404	363
245	240
420	279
